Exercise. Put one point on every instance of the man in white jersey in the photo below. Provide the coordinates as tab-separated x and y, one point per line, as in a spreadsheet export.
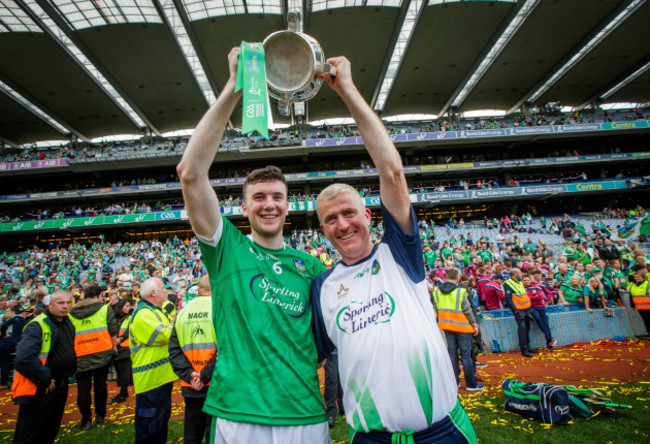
264	388
374	308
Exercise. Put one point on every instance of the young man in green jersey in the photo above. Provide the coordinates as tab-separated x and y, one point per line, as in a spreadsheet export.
265	385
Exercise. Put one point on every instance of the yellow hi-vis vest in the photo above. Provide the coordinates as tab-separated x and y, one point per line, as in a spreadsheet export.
92	333
21	385
149	335
519	296
450	314
640	295
195	332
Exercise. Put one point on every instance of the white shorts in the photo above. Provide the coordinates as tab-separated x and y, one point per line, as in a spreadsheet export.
233	432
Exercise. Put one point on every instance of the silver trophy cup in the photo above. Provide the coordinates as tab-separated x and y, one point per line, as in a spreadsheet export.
292	59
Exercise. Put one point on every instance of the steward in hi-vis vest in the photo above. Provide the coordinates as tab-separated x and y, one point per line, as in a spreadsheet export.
193	353
518	295
641	295
92	334
639	288
23	387
458	323
94	342
45	359
518	301
149	335
450	314
153	376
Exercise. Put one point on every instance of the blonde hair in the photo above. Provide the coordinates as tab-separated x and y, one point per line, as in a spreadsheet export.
333	191
593	279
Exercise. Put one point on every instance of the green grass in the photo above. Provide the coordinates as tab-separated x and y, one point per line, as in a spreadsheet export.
491	422
494	425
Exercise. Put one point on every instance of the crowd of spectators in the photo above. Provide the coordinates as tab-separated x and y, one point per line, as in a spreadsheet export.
125	178
30	275
234	140
114	209
230	201
623	213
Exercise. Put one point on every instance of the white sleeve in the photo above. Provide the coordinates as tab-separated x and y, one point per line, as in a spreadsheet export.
214	239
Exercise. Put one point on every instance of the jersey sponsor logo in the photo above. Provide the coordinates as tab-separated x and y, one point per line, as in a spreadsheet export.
359	315
197	331
88	341
261	257
343	292
266	290
198	315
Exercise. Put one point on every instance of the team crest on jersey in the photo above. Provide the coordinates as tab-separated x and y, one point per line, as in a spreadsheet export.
300	265
375	267
343	292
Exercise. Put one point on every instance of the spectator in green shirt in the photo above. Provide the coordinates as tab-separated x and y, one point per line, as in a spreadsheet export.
430	257
571	292
616	275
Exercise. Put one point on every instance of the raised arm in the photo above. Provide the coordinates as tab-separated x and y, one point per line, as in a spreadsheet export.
200	198
392	183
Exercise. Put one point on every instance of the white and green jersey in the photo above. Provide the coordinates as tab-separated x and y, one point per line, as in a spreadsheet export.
393	363
266	370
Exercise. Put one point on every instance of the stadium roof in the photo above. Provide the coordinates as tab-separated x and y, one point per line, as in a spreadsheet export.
95	68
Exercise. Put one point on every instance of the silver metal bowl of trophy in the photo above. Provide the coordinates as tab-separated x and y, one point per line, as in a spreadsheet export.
292	60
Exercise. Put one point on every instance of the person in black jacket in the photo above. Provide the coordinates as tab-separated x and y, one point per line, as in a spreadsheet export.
122	362
41	407
10	332
608	251
194	378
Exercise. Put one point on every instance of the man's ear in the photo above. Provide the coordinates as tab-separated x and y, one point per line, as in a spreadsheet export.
244	209
368	216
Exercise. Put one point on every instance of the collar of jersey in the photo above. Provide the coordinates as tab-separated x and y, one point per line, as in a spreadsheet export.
360	261
276	250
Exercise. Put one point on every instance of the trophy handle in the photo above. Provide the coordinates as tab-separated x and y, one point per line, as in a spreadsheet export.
326	68
293	21
283	107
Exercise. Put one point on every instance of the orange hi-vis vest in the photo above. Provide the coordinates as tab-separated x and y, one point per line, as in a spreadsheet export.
640	295
124	327
21	385
450	314
519	296
92	333
195	331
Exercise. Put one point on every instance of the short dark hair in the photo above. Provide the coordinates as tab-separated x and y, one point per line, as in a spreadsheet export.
452	274
92	291
269	173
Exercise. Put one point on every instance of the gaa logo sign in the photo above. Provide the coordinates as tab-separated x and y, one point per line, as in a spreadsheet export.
168	215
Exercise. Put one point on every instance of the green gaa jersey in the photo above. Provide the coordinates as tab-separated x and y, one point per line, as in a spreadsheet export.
266	370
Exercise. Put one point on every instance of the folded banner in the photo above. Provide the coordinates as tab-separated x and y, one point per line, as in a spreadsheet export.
251	77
